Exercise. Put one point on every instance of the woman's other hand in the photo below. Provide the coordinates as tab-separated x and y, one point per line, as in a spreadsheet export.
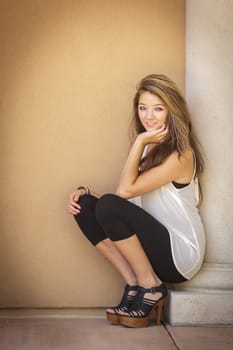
73	207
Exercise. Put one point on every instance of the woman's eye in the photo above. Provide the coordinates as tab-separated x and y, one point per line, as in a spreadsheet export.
158	109
141	108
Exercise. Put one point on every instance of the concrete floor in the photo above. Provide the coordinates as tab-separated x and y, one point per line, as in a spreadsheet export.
85	333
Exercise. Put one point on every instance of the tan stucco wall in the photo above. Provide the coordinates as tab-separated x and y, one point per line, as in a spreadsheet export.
68	74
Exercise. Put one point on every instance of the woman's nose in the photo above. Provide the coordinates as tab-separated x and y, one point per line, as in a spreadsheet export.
149	115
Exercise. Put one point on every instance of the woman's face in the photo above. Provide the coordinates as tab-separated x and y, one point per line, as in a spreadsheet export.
152	111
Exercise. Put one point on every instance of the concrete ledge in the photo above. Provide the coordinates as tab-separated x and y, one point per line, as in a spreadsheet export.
200	307
211	276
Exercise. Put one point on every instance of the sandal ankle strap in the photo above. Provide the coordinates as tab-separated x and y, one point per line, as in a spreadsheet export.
130	288
159	289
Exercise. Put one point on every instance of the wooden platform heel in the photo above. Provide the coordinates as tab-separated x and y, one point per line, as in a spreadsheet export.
126	302
139	315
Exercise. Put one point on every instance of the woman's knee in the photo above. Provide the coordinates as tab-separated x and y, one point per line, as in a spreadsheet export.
106	206
87	201
110	213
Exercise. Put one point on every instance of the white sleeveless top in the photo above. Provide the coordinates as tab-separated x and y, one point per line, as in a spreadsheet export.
177	210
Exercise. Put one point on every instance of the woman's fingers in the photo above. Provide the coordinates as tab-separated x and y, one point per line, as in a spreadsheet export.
73	207
73	211
162	133
73	196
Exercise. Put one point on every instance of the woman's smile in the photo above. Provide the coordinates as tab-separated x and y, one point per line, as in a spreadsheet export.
150	125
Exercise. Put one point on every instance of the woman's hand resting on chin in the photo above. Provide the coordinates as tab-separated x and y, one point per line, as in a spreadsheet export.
155	136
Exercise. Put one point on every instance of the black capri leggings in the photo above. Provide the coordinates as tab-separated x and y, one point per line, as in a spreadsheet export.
116	218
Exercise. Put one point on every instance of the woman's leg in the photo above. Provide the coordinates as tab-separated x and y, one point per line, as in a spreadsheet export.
132	250
110	251
96	235
145	256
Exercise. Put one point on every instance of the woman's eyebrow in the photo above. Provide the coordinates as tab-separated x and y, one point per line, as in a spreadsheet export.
157	104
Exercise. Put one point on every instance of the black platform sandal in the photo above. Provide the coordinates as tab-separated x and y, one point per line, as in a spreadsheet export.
140	312
124	305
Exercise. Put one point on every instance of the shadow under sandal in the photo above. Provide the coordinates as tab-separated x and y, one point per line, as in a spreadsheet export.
140	313
125	304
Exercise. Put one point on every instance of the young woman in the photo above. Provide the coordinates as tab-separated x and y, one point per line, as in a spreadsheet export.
150	229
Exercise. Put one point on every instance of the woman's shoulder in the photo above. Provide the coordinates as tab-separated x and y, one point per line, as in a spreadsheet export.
186	156
184	163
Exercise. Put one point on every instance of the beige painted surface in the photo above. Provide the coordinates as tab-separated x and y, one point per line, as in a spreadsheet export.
68	74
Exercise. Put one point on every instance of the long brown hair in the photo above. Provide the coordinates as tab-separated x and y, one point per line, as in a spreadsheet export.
180	135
